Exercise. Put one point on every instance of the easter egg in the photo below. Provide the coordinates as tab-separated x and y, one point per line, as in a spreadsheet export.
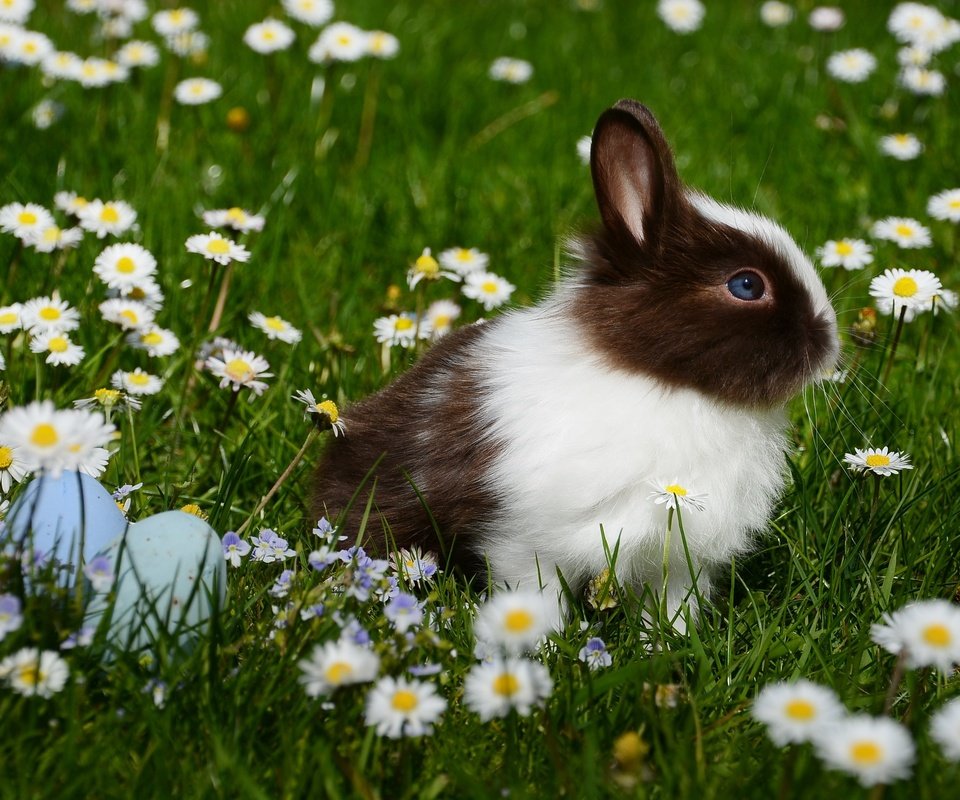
65	517
171	577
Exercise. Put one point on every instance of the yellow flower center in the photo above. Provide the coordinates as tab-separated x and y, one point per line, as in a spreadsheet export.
506	684
137	293
329	408
268	35
937	635
865	752
29	674
275	324
404	324
877	460
343	40
903	230
338	672
51	234
489	287
109	214
844	248
49	313
441	321
138	378
677	489
58	344
44	435
107	397
151	339
8	318
801	710
518	620
126	265
377	42
218	246
238	370
6	456
427	265
404	700
80	202
27	218
196	88
954	204
905	287
130	316
236	214
901	138
177	15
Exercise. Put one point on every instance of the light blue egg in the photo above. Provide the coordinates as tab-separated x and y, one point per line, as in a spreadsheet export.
65	516
172	576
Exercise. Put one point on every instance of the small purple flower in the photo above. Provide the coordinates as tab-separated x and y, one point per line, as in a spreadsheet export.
269	547
99	571
425	670
311	612
352	630
11	616
234	548
594	654
282	586
81	638
404	612
125	490
322	558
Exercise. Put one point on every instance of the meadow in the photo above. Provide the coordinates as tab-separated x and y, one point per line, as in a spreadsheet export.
357	163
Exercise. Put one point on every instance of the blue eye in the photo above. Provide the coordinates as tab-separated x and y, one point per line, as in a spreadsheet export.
746	285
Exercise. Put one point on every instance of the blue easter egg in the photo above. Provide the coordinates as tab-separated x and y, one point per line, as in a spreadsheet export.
65	516
172	576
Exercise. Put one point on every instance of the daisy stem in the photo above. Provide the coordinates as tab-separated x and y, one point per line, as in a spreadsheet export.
280	481
876	496
231	405
666	560
38	384
896	678
133	445
367	119
221	299
893	347
12	268
786	779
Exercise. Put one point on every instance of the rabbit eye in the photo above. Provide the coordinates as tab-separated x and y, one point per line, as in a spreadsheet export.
746	285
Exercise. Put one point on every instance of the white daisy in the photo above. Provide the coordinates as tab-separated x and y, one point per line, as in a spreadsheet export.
850	254
882	461
268	36
923	81
440	316
927	631
29	48
872	749
426	268
148	292
325	414
131	315
16	12
945	729
33	673
53	238
136	382
681	16
776	14
25	220
187	44
511	70
156	341
398	329
235	218
904	232
310	12
794	712
516	620
124	266
217	248
902	146
400	707
584	145
174	21
908	22
913	56
340	41
335	664
464	260
12	470
138	54
945	205
58	347
197	91
492	689
240	368
10	318
672	495
62	65
69	202
275	327
108	399
851	66
826	18
48	315
910	291
381	44
945	299
95	72
114	217
490	290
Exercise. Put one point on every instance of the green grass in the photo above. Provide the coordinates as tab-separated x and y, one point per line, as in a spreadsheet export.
450	158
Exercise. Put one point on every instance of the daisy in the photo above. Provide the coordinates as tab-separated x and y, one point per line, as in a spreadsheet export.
944	726
108	399
240	368
12	470
415	565
16	12
794	712
872	749
62	65
490	290
826	18
909	21
93	73
123	266
902	146
69	202
11	617
113	217
923	81
235	218
398	329
463	260
681	16
927	631
381	44
234	548
30	48
43	437
905	291
58	347
310	12
851	66
905	232
10	318
32	673
89	432
217	248
675	496
268	36
197	91
147	292
335	664
136	383
945	205
138	54
511	70
340	41
913	56
440	316
275	327
515	620
426	268
325	414
493	688
24	221
850	254
156	341
595	654
187	44
776	14
882	461
48	315
174	21
53	238
945	299
401	707
131	315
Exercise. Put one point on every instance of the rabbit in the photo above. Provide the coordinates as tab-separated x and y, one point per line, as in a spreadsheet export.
529	446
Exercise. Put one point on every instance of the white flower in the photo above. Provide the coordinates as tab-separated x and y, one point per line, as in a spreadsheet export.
913	56
12	470
174	21
147	292
427	268
31	672
69	202
415	565
53	238
882	461
268	36
902	146
131	315
188	43
275	327
910	22
124	266
217	248
24	221
197	91
873	749
381	44
155	340
325	414
905	232
10	318
928	631
945	299
136	383
776	14
673	495
945	729
908	291
826	18
340	41
235	218
584	145
681	16
401	707
138	54
114	217
16	11
335	664
851	66
44	114
945	205
440	316
463	260
48	315
923	81
29	48
310	12
62	65
94	72
794	712
515	620
511	70
399	329
850	254
490	290
493	688
240	368
58	347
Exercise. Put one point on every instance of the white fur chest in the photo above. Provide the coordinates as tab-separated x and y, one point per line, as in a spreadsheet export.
584	446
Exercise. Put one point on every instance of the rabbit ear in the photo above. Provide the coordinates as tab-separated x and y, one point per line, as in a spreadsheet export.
634	177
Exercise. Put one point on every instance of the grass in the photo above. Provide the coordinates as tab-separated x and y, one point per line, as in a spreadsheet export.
426	151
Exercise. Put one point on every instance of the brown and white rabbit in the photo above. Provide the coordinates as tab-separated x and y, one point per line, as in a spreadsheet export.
669	354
